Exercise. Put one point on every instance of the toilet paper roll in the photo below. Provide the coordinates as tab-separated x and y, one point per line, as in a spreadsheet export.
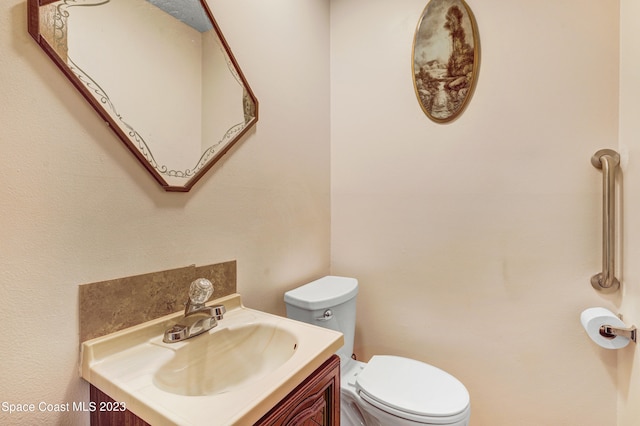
594	318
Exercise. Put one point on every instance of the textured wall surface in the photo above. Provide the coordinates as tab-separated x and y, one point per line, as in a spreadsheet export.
78	208
474	241
629	182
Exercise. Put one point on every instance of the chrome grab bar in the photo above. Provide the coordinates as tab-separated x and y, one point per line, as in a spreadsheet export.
607	160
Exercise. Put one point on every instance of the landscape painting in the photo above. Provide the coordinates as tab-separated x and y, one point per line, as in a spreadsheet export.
445	59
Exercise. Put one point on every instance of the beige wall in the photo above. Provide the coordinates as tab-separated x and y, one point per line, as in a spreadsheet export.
78	208
474	241
629	146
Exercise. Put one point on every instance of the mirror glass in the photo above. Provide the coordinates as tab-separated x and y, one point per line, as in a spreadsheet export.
159	72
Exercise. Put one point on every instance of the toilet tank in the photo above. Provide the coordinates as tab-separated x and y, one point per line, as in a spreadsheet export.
328	302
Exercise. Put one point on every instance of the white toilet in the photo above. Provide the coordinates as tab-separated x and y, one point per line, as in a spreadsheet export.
388	390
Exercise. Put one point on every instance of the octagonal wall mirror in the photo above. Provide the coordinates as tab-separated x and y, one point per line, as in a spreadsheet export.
159	72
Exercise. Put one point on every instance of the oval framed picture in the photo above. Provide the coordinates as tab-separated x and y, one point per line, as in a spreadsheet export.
445	59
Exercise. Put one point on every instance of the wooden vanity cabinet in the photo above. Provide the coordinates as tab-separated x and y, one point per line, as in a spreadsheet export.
316	401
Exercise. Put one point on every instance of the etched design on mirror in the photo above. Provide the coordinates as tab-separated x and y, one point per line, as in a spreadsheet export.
168	85
97	91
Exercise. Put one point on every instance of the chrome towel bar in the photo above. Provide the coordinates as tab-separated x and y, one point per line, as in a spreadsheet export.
607	160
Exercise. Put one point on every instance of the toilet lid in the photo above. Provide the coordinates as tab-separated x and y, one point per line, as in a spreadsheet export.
401	385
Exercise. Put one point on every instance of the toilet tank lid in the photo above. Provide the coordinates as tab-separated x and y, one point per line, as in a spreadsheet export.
323	293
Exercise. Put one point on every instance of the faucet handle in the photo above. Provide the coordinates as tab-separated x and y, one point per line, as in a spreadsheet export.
200	291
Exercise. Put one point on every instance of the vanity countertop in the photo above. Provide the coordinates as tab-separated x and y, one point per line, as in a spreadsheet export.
125	366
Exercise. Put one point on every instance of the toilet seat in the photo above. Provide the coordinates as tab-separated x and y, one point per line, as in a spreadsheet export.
413	390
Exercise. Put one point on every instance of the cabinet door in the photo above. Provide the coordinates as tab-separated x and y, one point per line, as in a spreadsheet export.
315	402
108	417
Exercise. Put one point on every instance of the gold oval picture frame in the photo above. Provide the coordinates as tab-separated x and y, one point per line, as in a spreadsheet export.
445	59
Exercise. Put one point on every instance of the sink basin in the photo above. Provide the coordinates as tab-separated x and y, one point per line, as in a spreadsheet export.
226	359
232	374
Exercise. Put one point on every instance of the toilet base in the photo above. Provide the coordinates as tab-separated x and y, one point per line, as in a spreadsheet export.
350	414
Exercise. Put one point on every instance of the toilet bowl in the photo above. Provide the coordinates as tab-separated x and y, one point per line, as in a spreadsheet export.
388	390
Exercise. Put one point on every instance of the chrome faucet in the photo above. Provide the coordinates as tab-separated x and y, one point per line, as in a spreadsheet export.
197	318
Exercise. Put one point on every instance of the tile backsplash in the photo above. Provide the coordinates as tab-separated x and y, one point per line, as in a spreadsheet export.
109	306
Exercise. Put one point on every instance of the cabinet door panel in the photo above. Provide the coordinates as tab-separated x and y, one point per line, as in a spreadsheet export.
315	402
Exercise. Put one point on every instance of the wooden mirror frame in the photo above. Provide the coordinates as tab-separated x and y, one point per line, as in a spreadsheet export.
33	13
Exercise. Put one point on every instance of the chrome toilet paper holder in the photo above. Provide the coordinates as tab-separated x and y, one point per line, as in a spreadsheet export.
609	332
